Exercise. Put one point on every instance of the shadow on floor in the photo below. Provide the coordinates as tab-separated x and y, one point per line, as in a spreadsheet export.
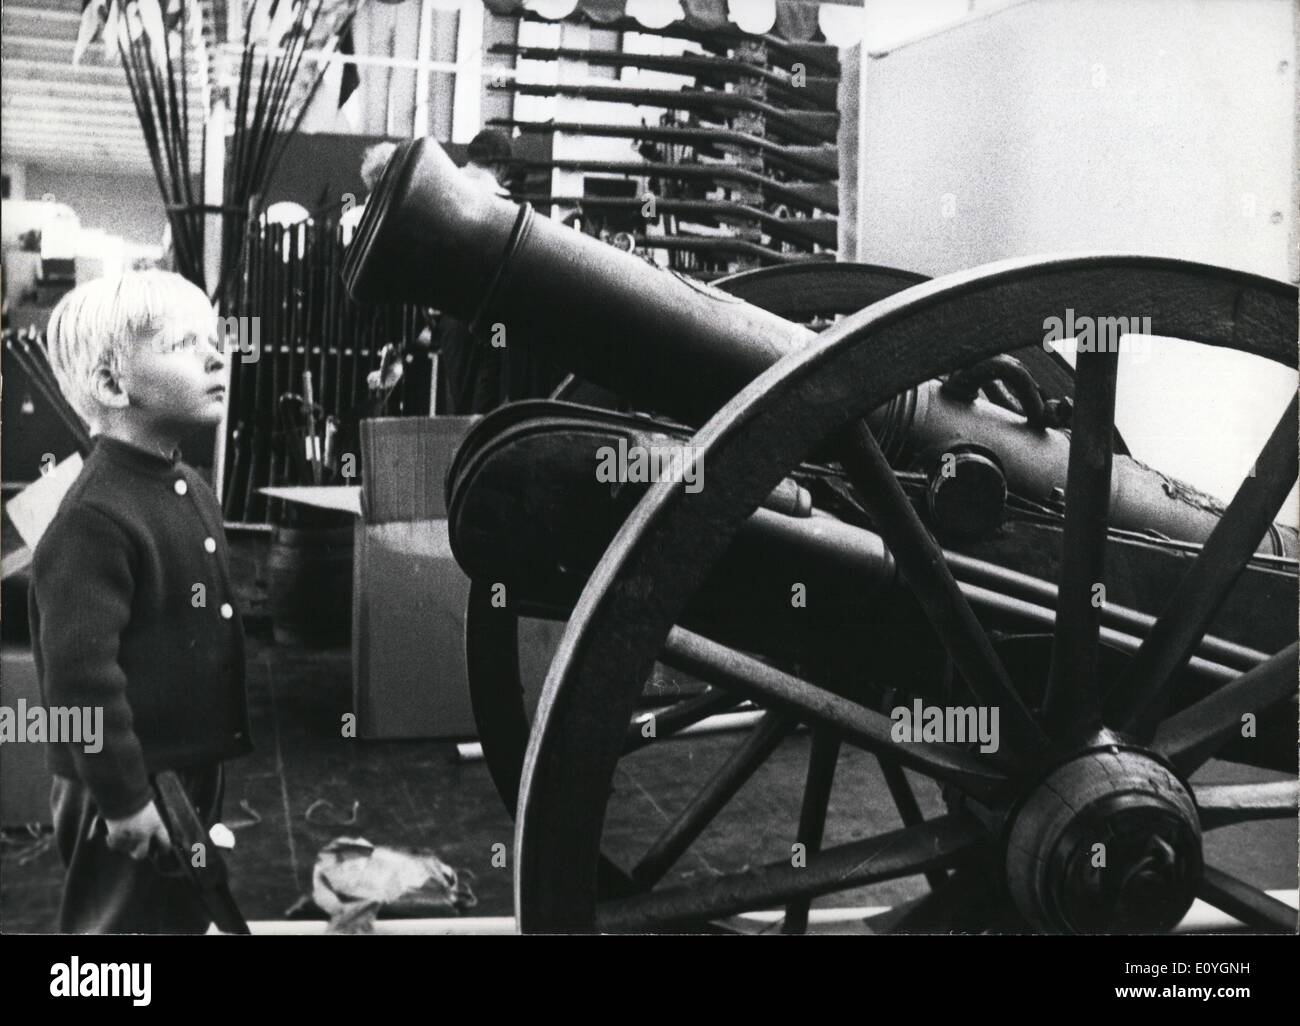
416	793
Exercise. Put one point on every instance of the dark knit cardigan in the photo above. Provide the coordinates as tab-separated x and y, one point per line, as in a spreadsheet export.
132	610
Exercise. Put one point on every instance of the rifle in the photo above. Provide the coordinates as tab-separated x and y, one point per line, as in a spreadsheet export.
819	162
816	92
807	196
806	126
822	231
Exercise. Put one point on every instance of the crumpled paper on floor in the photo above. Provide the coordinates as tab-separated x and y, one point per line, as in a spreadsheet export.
354	880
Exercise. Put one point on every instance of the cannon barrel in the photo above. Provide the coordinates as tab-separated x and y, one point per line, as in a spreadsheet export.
430	236
674	345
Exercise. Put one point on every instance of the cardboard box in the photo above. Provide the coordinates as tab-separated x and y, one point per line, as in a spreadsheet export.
24	779
409	674
408	626
408	594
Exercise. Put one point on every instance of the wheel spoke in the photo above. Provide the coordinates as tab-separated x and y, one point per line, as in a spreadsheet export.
921	563
910	812
1242	901
822	757
1000	581
709	800
1072	705
940	843
1142	691
1191	737
1022	613
866	728
1225	804
677	718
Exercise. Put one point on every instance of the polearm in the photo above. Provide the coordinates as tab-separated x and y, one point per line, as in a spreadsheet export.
258	306
817	92
807	196
804	126
821	231
716	246
198	857
823	57
820	162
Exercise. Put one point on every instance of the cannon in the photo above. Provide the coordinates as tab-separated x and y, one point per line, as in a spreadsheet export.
963	522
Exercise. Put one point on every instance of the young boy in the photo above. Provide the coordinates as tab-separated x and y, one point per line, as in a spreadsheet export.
131	604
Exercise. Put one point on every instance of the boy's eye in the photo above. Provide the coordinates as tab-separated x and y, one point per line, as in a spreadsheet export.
187	342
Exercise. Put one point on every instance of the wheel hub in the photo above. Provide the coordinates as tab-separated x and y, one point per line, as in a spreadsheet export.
1109	842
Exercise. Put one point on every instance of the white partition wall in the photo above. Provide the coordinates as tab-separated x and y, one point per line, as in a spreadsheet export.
1164	127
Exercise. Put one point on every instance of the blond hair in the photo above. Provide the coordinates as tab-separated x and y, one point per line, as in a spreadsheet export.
97	323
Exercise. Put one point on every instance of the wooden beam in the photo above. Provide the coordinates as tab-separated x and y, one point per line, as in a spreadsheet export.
25	69
423	47
56	122
45	150
42	14
19	86
86	106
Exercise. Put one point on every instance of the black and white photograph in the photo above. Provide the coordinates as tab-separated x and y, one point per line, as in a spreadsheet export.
651	467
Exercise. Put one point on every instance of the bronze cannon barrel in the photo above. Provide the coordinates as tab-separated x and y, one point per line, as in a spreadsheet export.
660	339
673	345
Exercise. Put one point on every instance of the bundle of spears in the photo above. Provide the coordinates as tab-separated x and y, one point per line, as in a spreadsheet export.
155	43
266	117
165	52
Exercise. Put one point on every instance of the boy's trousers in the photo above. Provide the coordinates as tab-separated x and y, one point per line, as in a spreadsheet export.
105	891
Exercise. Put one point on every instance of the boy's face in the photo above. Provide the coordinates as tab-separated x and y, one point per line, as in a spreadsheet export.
176	379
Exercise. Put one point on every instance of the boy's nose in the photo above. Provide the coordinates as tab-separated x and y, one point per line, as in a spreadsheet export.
214	361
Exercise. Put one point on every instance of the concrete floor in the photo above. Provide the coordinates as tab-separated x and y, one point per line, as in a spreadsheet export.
416	793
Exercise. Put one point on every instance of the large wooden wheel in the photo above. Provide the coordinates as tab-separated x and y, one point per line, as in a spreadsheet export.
1099	760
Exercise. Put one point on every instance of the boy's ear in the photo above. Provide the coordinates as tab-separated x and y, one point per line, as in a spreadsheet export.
107	388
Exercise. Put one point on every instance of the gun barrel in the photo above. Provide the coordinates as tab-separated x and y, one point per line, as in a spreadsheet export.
668	343
808	126
808	91
806	195
818	162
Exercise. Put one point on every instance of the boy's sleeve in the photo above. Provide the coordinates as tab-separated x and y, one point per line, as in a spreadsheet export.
84	587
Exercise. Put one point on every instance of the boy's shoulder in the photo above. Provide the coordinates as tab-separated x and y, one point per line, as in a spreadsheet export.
120	498
90	505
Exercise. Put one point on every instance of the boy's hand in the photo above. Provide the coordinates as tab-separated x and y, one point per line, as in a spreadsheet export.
140	834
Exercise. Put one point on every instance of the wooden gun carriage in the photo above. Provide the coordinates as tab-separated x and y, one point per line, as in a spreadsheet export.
918	502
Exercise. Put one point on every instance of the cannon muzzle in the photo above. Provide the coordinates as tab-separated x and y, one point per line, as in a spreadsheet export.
668	343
